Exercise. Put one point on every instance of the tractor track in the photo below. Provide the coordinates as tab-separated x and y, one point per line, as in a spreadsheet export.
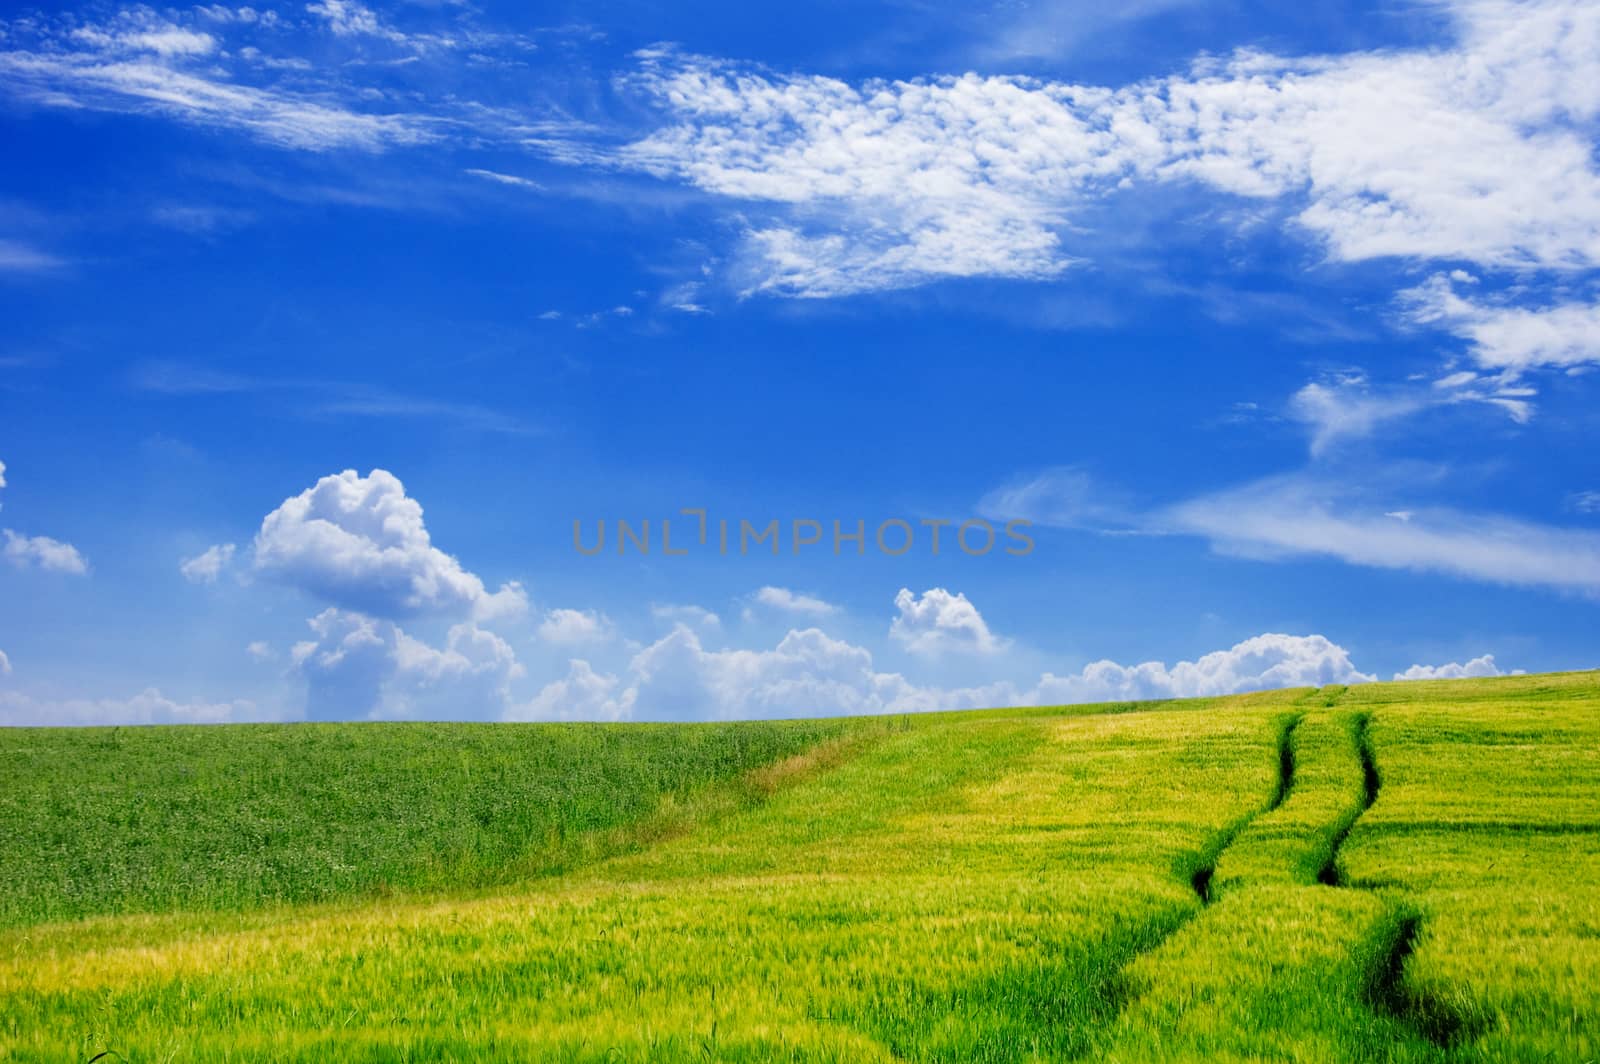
1201	877
1387	988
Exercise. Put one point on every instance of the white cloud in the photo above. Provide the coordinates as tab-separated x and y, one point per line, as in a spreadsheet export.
1346	408
575	627
1462	153
205	567
5	664
1064	497
1483	666
142	62
1263	662
18	257
582	695
138	29
806	674
1585	502
260	651
1055	28
48	554
781	598
360	543
349	19
886	184
1508	339
2	474
1378	521
941	622
691	615
515	182
809	673
360	666
1302	516
147	707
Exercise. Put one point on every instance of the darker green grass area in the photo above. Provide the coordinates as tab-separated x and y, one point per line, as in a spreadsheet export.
122	820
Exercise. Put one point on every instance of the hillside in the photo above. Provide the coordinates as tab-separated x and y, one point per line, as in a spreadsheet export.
1405	872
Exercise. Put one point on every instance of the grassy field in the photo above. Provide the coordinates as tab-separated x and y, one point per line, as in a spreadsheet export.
119	820
1392	872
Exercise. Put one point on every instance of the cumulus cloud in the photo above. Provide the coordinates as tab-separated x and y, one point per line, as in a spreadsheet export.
809	673
781	598
147	707
360	543
205	567
582	694
806	674
573	627
941	622
42	552
1263	662
1483	666
360	666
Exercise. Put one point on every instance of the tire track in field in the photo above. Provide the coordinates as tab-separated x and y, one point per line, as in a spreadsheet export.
1200	879
1116	984
1387	987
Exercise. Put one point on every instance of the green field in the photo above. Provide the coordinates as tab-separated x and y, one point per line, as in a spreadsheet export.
1406	872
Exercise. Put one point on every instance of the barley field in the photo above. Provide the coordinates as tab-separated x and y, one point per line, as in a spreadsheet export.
1389	872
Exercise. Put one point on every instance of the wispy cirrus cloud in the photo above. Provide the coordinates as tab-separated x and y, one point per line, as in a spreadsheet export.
315	397
247	70
1347	406
1373	522
19	257
1306	516
136	77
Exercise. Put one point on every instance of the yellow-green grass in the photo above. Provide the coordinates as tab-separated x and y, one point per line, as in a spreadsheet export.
1489	827
1189	881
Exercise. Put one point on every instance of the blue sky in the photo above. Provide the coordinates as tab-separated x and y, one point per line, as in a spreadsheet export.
326	322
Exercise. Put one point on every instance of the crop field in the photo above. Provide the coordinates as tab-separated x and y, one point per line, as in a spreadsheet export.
1390	872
